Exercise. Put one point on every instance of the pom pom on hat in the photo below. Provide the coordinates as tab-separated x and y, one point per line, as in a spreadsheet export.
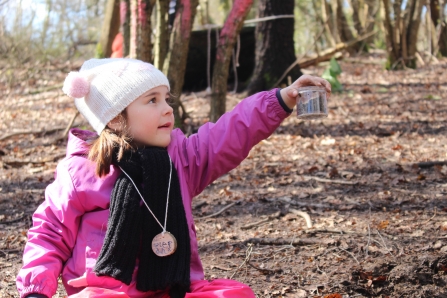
76	85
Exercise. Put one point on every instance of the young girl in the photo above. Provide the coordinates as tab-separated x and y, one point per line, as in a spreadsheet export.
117	220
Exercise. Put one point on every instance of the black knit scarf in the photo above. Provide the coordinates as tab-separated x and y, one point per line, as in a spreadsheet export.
131	227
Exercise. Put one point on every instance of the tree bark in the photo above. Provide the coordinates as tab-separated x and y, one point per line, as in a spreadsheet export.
402	32
227	40
162	33
110	28
344	29
275	50
437	16
141	29
46	23
125	25
412	27
145	30
329	32
175	62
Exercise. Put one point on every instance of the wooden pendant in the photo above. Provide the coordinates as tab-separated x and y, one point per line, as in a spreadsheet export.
164	244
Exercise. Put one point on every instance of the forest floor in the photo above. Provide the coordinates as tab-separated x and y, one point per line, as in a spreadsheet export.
372	178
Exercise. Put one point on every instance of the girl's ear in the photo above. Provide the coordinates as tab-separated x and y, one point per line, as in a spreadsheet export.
115	123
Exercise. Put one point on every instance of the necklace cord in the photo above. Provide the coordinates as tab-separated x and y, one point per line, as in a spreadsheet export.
167	199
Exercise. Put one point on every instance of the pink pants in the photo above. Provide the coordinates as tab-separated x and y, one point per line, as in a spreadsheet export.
221	288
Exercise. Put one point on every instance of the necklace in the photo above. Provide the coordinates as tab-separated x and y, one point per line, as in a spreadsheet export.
163	244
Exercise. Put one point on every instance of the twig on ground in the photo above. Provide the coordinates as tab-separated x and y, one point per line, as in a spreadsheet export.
330	231
247	259
7	222
351	254
303	215
425	222
254	224
70	124
221	210
265	269
328	180
384	244
8	251
198	205
220	268
296	242
369	240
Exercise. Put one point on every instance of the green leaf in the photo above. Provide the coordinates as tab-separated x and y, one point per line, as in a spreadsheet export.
433	97
335	67
335	84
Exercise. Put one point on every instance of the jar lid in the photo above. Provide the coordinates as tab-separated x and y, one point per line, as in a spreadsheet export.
312	88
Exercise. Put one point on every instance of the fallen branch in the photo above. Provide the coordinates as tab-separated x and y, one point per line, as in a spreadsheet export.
295	242
363	61
31	132
341	232
429	164
328	180
303	215
298	60
254	224
221	210
326	55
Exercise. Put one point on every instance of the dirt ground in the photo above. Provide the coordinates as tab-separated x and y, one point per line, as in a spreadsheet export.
371	178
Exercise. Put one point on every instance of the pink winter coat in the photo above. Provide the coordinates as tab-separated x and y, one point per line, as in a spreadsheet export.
69	227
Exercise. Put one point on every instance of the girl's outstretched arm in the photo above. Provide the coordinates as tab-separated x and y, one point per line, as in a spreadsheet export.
52	237
219	147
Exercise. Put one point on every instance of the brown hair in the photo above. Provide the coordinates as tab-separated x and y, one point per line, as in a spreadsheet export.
104	146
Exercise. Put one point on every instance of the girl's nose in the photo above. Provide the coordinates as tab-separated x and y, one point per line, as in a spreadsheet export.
168	109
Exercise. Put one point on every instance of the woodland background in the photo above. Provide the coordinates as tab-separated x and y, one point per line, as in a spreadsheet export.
349	206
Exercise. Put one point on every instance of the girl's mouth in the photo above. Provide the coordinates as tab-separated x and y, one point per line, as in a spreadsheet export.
166	125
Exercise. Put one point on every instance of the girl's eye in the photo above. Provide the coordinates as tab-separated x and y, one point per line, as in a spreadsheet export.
169	100
152	100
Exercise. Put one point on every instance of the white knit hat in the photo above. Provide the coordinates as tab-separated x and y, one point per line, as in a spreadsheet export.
103	88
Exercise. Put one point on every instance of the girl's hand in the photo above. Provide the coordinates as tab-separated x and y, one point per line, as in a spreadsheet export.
290	93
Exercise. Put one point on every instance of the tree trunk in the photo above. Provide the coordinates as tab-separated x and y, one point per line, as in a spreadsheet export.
402	33
326	18
110	28
145	30
275	50
162	33
344	29
140	29
227	40
437	16
125	25
46	23
175	62
331	9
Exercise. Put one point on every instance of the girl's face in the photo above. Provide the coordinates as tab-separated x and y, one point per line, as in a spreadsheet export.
150	118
